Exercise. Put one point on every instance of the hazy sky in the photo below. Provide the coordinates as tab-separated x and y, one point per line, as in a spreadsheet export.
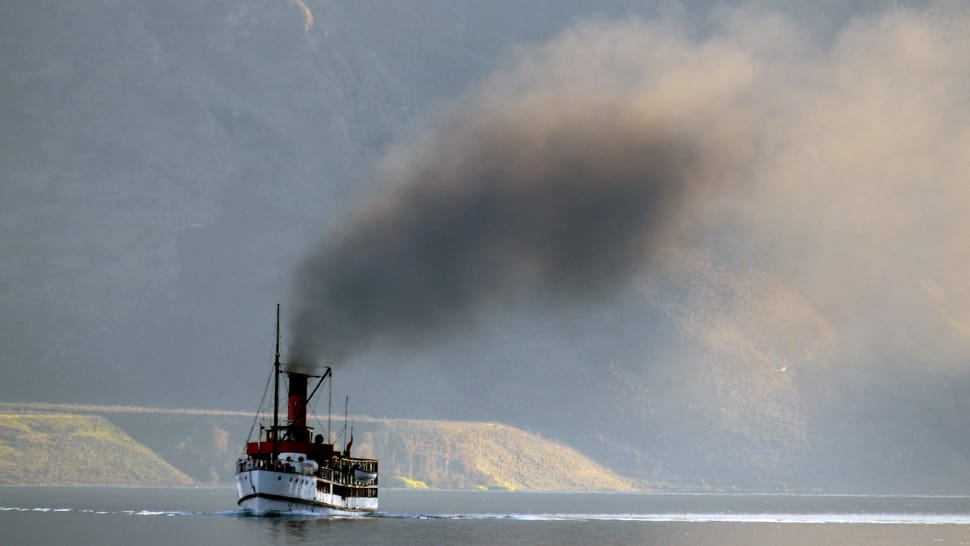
737	229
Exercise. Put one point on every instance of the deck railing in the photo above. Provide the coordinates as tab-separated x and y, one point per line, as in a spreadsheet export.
343	475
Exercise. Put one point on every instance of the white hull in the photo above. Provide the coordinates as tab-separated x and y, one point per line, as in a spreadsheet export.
265	492
270	507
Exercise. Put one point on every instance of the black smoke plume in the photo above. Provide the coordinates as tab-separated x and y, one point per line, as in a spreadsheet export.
837	164
555	197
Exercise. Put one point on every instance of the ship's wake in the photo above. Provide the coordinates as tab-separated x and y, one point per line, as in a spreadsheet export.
794	518
886	518
100	512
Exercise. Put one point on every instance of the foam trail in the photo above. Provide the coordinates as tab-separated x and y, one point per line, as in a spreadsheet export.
901	518
45	509
820	518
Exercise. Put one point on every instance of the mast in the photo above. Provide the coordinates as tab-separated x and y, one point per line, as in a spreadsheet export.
276	390
346	409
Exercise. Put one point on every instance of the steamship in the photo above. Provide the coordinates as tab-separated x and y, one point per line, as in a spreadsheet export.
288	470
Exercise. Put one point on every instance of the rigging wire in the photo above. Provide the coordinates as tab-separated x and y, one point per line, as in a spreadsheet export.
313	409
259	409
313	412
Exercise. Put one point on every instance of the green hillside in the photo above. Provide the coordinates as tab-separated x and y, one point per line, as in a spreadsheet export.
77	449
202	448
451	454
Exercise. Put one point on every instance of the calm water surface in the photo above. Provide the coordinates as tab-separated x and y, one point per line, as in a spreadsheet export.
155	517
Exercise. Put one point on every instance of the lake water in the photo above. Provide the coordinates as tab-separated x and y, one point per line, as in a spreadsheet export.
81	516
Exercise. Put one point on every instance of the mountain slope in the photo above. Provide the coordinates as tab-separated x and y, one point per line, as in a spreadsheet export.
452	454
77	449
204	446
